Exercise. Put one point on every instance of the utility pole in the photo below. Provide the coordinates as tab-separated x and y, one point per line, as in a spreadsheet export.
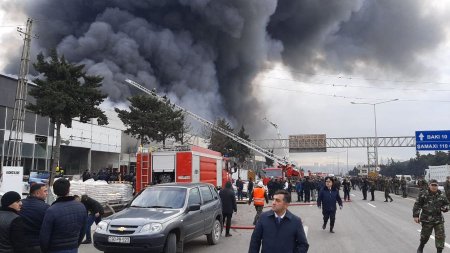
14	150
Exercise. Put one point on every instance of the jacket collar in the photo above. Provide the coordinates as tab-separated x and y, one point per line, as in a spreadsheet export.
64	199
8	209
33	197
288	214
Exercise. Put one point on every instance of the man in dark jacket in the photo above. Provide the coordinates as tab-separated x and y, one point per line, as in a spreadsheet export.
228	205
33	212
12	237
95	212
64	222
279	230
327	199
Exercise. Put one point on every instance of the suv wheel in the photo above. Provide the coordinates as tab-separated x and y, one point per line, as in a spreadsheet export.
214	236
171	244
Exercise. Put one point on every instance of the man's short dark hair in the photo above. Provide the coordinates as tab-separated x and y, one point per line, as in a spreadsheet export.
286	197
330	178
61	187
35	187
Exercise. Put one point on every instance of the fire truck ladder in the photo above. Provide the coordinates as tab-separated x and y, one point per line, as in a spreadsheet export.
234	137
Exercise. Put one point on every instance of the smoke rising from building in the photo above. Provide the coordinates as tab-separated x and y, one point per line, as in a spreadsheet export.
205	54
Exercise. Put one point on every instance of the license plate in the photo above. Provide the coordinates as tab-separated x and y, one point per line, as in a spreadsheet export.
117	239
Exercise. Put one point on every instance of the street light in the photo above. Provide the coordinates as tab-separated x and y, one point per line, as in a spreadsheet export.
375	117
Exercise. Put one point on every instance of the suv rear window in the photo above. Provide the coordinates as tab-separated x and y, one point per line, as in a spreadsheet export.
161	197
206	194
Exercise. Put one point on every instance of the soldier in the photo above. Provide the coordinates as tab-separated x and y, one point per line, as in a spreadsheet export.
373	186
396	185
403	186
422	183
364	188
387	186
447	188
429	206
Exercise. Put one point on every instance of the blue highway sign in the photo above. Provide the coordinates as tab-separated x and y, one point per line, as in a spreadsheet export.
433	140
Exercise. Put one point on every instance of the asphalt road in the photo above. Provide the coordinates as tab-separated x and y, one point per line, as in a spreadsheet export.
361	226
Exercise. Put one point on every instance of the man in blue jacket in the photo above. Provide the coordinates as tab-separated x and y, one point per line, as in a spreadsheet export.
33	212
64	222
279	230
327	199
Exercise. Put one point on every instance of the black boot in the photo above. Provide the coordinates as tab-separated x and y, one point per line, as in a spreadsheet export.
324	225
331	230
439	250
420	249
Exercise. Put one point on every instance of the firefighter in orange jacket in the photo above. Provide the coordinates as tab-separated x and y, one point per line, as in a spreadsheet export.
258	196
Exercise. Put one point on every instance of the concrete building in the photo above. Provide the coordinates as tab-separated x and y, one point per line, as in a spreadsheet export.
84	146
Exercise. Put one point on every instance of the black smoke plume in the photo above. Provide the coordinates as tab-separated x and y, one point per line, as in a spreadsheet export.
206	53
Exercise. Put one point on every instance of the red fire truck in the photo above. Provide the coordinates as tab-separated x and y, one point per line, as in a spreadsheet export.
282	172
181	164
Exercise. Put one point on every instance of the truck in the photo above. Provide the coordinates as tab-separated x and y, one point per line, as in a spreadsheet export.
183	164
439	173
282	172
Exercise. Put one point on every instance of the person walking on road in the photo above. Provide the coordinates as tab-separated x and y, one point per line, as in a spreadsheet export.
94	214
403	187
258	196
12	236
427	211
364	188
33	212
328	197
346	185
373	186
387	187
279	230
240	188
228	206
64	222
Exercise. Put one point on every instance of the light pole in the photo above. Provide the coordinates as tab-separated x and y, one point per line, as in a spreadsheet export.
375	144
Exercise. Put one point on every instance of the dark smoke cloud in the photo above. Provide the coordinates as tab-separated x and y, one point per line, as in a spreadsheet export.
339	36
206	53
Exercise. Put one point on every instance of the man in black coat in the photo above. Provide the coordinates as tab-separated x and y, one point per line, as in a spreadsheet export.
327	199
228	205
12	237
94	214
33	212
279	230
64	222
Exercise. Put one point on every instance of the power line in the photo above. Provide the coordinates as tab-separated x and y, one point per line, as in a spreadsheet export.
358	77
354	98
355	86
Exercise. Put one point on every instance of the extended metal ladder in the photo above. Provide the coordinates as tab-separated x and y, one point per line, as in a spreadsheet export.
209	124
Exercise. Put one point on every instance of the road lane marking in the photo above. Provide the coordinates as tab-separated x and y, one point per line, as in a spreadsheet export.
353	195
371	205
434	238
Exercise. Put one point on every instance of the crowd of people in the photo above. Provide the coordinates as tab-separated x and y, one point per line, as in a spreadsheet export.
32	226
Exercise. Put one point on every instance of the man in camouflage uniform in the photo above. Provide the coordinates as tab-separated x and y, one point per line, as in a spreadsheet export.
387	187
396	184
429	205
422	183
403	186
447	188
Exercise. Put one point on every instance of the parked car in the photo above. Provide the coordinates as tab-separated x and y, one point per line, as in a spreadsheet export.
163	218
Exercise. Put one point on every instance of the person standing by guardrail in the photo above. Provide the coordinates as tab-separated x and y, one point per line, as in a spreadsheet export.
427	211
95	213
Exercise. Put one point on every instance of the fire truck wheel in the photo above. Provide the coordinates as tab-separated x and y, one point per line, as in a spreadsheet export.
214	236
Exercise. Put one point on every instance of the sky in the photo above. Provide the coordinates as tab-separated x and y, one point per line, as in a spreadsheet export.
298	64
